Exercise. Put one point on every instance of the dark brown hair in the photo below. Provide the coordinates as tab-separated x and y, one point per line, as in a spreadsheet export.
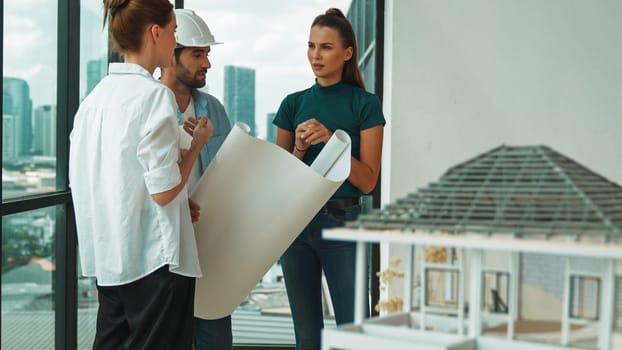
130	18
333	18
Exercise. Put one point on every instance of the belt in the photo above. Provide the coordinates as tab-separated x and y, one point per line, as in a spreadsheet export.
336	206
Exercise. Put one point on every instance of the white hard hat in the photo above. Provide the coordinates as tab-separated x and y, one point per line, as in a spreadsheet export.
192	30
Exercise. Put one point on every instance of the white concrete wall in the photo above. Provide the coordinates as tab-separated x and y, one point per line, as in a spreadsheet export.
463	77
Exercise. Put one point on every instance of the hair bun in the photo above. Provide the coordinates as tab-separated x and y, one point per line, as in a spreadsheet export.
333	11
115	5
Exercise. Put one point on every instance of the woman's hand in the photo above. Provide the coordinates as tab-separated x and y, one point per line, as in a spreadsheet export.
311	132
299	143
189	125
200	131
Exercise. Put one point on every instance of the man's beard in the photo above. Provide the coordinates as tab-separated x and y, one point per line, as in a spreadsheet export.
190	80
194	83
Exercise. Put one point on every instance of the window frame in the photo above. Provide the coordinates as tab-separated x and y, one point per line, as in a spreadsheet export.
67	100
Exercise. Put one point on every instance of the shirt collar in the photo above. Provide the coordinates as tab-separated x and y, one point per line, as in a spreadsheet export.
128	68
198	97
330	88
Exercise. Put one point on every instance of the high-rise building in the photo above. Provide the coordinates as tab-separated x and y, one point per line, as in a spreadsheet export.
270	128
9	141
44	131
93	52
95	71
17	102
239	99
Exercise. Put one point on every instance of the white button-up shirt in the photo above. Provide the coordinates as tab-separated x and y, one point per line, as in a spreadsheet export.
125	147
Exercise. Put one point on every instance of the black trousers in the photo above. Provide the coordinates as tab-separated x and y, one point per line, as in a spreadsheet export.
154	312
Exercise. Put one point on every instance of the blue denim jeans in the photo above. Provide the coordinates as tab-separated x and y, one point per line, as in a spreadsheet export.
302	265
212	334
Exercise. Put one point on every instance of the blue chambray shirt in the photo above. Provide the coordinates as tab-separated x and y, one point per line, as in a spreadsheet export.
209	106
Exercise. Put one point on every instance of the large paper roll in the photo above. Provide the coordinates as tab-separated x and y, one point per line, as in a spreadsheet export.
255	199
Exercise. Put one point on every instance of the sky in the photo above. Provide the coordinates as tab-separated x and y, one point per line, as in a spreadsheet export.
29	49
269	36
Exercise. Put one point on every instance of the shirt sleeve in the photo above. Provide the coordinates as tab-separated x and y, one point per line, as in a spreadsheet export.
158	149
222	122
371	113
284	117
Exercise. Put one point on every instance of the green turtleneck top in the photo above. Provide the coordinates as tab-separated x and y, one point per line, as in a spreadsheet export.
340	106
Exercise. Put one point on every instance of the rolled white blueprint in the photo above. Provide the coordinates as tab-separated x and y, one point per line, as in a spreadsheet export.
255	198
331	152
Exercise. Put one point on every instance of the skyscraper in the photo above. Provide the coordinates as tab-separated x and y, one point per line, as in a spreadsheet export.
239	99
93	48
17	102
270	128
44	131
96	70
9	141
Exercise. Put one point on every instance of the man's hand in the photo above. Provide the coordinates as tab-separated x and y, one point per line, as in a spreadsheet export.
195	210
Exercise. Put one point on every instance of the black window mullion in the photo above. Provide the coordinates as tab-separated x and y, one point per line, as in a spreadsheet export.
65	279
378	90
34	202
2	72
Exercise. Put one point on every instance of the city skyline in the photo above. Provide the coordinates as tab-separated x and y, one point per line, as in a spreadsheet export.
254	35
273	42
17	106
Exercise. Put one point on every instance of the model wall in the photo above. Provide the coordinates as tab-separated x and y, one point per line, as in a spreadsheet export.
463	77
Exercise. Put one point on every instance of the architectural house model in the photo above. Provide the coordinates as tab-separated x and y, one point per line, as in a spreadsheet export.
517	248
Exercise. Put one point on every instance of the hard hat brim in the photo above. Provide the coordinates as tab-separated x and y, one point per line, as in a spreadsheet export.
181	46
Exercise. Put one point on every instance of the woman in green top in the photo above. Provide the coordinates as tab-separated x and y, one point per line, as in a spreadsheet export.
306	120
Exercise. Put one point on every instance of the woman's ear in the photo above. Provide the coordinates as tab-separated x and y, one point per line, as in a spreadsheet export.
155	32
348	54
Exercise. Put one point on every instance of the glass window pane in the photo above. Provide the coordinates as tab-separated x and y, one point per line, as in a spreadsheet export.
28	265
93	46
584	297
442	288
29	98
495	291
93	67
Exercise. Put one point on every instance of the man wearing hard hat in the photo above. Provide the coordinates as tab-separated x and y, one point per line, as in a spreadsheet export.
184	77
